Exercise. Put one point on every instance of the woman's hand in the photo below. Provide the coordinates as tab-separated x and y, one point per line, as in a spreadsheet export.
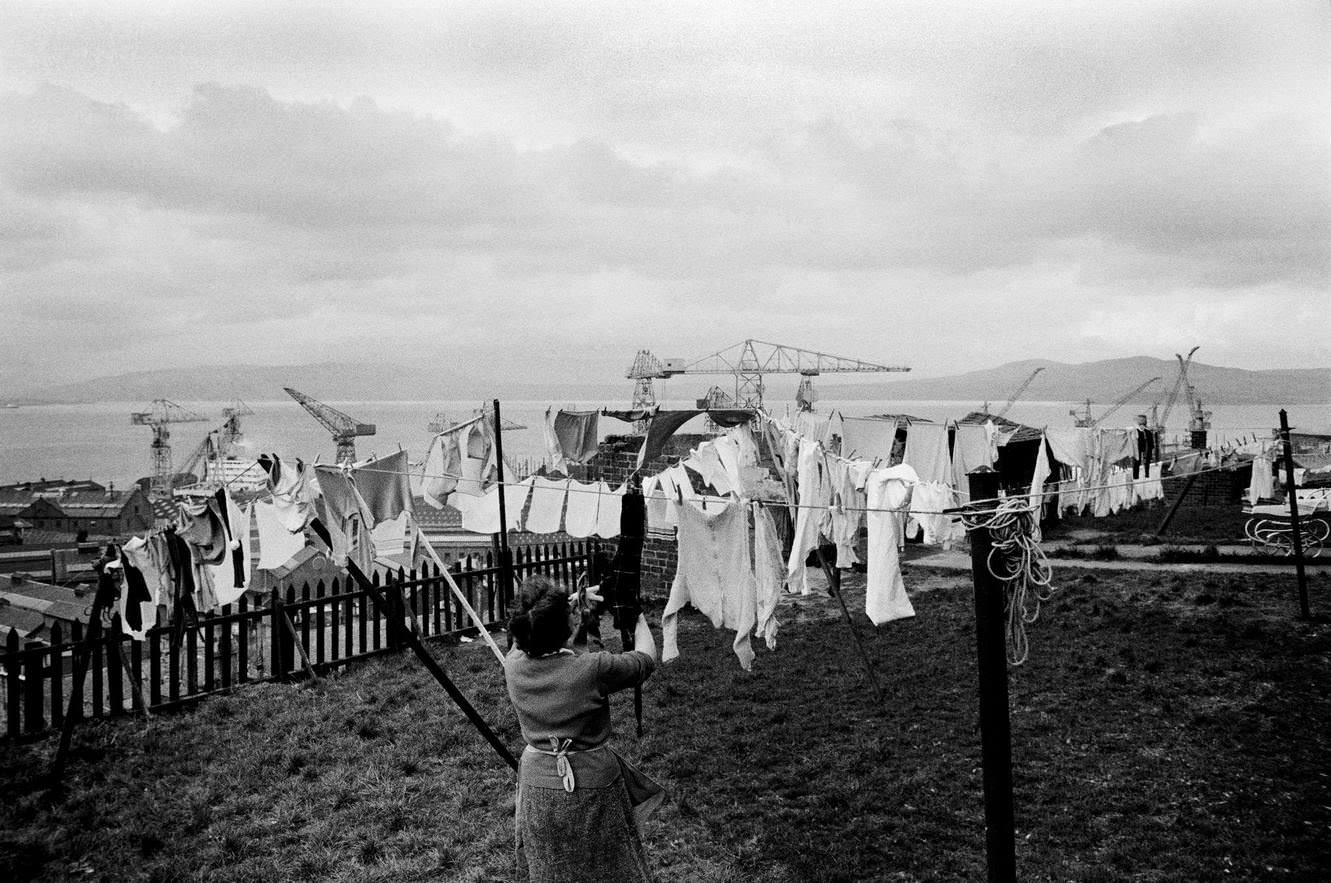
590	593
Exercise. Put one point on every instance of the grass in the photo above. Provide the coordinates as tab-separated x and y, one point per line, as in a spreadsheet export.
1167	727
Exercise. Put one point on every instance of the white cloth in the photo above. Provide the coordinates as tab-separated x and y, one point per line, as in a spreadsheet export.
769	573
885	595
926	451
1042	472
390	535
583	500
1262	484
277	545
224	574
547	505
714	576
814	496
927	500
481	514
610	507
558	463
868	438
847	508
706	461
973	447
292	493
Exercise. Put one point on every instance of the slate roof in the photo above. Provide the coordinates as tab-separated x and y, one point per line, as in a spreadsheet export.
1022	432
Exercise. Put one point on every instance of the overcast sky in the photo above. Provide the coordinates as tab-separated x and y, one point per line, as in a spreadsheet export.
543	189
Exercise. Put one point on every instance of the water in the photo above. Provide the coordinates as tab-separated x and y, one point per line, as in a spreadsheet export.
97	441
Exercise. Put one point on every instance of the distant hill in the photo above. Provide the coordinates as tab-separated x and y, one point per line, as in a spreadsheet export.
1102	382
327	381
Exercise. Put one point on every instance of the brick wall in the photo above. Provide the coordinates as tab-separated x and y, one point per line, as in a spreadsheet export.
616	458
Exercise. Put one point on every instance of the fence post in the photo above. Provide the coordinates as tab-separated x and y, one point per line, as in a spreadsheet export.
995	727
13	687
1292	494
283	652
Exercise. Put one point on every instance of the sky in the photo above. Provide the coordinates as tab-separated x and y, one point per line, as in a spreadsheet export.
543	189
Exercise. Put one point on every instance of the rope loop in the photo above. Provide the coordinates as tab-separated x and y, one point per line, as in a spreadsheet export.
1016	560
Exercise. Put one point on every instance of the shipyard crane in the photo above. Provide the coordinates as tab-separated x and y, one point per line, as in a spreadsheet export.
748	361
1012	399
162	414
344	428
230	435
1087	421
1158	422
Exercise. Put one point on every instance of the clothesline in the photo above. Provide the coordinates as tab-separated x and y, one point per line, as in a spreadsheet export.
973	506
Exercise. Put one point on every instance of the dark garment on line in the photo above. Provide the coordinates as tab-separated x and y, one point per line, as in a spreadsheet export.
205	530
665	423
385	487
136	593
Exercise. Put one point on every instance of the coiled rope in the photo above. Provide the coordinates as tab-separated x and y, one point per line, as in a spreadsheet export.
1018	562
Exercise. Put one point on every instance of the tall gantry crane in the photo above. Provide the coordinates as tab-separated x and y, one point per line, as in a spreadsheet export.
1086	420
748	362
344	428
1158	417
1012	399
229	435
162	414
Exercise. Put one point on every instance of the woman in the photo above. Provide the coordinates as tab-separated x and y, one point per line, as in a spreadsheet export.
578	802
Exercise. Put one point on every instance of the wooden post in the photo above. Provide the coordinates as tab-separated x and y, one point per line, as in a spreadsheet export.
282	643
1293	498
995	727
505	558
82	658
1183	492
435	669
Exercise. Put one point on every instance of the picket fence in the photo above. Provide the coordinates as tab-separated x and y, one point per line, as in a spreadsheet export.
252	641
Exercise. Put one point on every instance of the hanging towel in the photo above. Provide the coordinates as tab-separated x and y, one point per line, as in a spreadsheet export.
769	573
580	519
885	595
481	514
290	486
973	447
926	451
714	575
547	505
814	496
277	545
611	506
868	438
439	474
390	537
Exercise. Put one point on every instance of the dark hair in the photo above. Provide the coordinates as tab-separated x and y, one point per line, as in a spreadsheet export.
540	625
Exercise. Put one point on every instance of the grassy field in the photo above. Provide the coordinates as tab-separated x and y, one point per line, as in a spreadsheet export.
1166	728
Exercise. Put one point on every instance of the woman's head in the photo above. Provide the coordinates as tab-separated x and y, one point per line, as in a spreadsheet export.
541	623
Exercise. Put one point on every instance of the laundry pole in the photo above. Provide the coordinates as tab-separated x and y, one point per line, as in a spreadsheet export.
505	555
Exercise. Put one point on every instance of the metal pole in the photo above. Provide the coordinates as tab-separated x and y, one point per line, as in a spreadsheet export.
995	728
435	669
505	556
834	589
1293	497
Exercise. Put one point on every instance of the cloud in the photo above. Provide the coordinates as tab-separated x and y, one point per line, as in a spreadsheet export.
842	177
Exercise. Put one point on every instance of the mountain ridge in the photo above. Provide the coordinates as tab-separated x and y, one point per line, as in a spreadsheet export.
1102	381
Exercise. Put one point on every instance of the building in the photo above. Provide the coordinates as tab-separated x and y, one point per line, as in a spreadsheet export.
73	508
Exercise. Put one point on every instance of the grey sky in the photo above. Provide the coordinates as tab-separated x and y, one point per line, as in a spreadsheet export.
545	188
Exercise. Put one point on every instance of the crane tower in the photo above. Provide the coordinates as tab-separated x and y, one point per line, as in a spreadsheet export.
162	414
343	428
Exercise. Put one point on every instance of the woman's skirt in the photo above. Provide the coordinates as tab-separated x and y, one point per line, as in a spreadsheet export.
588	835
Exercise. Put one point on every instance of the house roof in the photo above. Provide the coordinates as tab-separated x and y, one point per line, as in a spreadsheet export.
56	602
1020	432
